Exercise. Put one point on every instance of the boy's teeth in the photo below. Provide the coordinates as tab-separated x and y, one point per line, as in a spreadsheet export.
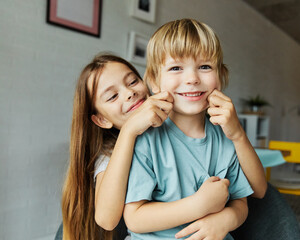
191	94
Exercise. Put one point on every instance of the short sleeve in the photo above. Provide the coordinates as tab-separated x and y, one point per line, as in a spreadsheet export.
100	165
142	179
239	186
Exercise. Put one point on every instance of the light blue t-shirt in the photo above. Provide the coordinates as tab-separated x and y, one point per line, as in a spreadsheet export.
167	166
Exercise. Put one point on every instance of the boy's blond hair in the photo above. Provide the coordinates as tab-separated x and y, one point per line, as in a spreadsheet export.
180	39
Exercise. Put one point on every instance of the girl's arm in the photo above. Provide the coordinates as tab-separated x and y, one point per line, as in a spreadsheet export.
223	113
144	216
111	185
217	225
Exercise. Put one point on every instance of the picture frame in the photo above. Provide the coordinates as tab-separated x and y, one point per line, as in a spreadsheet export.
143	10
80	16
137	48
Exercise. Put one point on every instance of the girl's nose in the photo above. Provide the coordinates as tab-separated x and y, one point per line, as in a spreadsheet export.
131	94
193	78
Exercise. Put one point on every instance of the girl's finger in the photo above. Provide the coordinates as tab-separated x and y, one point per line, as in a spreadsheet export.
166	96
159	117
197	236
165	106
161	114
193	227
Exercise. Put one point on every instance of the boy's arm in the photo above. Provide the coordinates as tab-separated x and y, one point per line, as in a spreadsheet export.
223	113
217	225
144	216
251	165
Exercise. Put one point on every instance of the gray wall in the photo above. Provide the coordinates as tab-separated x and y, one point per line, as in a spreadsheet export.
40	64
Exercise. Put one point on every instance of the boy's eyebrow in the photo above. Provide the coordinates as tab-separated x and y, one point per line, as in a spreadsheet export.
178	61
172	61
112	86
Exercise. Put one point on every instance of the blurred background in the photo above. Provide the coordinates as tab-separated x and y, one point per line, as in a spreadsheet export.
40	63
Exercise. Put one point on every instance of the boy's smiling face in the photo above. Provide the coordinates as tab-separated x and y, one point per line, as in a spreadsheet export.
190	81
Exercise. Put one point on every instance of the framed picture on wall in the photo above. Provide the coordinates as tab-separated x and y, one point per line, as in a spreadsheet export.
81	16
137	47
143	9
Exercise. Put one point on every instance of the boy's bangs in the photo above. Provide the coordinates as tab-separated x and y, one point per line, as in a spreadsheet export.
191	43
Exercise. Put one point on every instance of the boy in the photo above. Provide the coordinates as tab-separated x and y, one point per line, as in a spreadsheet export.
170	181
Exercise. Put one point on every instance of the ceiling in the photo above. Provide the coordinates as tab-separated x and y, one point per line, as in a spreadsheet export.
283	13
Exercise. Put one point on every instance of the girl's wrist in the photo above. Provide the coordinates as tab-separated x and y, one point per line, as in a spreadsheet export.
128	131
228	219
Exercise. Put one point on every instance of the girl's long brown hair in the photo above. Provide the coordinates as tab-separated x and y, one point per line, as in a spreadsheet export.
87	143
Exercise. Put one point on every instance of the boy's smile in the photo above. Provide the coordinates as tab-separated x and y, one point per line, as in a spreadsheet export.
192	96
190	81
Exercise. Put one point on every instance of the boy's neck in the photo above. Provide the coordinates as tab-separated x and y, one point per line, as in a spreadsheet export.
191	125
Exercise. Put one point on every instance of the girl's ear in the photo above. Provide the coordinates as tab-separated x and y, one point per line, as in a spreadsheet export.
102	121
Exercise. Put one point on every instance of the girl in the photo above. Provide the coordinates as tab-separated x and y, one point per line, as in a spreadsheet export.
93	137
102	131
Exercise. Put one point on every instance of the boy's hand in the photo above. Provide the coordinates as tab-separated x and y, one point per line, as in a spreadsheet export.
214	193
153	112
222	112
211	227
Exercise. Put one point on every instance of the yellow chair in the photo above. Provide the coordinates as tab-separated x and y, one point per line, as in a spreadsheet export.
291	153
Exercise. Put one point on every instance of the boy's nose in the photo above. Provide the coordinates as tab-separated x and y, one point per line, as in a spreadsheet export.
193	78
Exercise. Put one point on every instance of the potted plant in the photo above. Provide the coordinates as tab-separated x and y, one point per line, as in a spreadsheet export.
256	103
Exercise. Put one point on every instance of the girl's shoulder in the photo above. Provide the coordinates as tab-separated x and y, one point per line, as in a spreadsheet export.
100	164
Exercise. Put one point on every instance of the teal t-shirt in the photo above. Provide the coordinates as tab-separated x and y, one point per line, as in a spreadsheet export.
167	166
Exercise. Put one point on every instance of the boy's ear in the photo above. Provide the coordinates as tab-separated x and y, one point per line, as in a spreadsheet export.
154	87
102	121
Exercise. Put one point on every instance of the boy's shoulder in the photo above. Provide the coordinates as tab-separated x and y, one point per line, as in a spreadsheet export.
153	131
216	133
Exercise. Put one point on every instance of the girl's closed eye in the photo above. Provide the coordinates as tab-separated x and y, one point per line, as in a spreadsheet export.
134	81
112	97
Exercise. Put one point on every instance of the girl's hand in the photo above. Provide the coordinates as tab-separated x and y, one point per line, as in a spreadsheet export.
152	113
222	112
211	227
214	193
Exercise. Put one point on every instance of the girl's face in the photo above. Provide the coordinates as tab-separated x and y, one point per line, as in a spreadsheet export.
119	93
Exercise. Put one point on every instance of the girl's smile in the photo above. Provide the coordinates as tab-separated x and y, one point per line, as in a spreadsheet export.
136	105
119	93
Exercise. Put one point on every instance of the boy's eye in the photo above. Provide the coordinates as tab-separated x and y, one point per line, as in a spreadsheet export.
112	97
205	67
175	68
